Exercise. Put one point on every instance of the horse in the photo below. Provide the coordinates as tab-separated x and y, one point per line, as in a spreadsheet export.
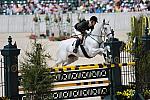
93	44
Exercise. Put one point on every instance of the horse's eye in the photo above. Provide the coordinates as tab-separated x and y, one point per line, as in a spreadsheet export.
105	28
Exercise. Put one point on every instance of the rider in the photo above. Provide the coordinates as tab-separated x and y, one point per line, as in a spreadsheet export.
82	27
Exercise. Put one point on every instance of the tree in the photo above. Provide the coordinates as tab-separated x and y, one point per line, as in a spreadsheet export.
36	78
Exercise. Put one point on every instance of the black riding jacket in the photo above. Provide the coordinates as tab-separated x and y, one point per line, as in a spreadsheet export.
83	26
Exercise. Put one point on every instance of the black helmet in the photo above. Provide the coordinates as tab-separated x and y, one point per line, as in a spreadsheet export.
94	18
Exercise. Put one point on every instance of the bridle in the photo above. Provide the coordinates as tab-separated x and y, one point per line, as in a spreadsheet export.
103	30
99	36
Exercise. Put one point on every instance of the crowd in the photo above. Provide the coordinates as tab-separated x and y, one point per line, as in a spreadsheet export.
92	6
108	6
31	7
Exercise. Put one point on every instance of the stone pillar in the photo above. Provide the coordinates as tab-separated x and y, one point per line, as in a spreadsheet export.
115	73
10	53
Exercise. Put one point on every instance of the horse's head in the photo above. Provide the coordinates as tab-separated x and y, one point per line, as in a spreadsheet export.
105	29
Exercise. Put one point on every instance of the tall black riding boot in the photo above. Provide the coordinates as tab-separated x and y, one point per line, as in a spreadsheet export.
76	45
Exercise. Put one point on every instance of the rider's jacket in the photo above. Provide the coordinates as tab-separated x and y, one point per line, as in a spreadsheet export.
83	26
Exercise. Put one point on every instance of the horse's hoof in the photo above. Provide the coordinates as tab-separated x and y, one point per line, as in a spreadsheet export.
107	60
107	48
106	63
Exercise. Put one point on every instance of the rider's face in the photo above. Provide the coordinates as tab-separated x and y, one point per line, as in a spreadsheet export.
93	23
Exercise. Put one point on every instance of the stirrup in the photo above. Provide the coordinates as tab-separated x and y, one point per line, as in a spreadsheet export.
75	50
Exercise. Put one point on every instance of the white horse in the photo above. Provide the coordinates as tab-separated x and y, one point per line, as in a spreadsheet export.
93	44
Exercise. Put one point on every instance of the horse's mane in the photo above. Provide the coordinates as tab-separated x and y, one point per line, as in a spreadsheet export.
96	29
97	25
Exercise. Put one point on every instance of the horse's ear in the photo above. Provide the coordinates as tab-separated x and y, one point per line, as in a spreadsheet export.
108	22
103	21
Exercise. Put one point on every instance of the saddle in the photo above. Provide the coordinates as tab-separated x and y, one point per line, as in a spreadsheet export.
80	43
81	40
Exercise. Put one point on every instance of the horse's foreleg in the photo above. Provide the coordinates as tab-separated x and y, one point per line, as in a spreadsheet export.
104	55
94	51
108	57
107	48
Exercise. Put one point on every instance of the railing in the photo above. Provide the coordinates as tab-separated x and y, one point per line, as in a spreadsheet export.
24	23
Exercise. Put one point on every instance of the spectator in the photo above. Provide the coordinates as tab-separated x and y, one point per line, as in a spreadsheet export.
117	7
148	5
89	6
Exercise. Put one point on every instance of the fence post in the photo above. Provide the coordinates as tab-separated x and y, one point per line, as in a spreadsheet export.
10	53
146	40
137	95
115	73
146	48
47	22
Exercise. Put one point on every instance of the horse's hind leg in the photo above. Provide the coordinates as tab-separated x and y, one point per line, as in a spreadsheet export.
60	62
106	58
70	60
57	63
61	58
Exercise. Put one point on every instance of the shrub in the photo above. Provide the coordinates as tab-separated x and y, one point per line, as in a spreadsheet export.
36	80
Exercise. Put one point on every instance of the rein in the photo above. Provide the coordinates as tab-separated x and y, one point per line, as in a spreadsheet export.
101	35
90	35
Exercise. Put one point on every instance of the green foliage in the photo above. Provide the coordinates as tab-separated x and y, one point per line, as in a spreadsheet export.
59	18
36	78
55	19
126	94
138	25
146	93
35	18
47	17
57	39
144	68
68	19
142	57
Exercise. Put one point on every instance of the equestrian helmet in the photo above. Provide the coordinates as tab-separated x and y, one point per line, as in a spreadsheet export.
94	18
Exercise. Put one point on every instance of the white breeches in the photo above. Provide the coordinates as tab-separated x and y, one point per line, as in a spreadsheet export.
77	33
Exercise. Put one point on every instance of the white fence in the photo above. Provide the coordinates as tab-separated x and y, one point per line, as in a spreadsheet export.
120	22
